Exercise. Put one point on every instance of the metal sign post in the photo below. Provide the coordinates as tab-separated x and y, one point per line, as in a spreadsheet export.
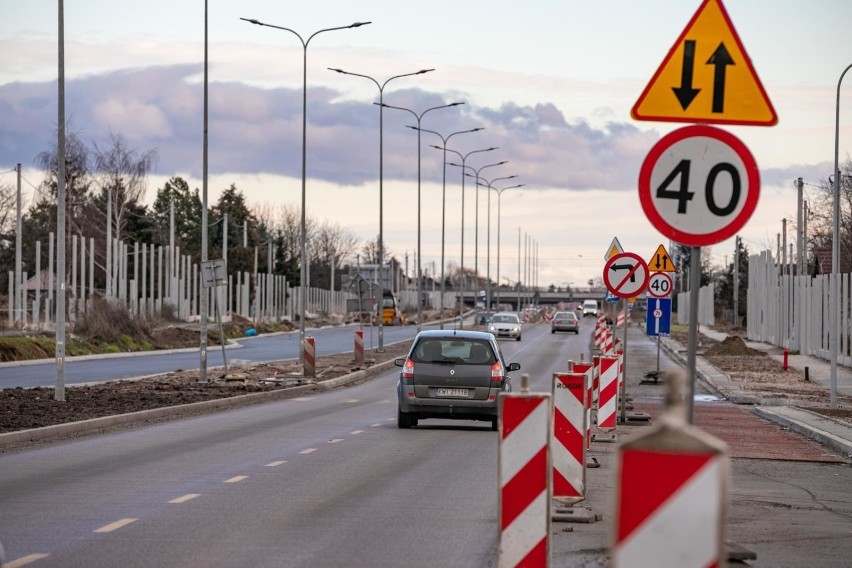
214	273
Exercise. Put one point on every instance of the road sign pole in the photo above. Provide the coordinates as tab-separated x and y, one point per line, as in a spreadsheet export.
624	370
692	338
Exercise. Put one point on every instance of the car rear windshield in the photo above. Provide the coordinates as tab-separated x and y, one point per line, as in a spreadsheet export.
459	351
564	317
505	319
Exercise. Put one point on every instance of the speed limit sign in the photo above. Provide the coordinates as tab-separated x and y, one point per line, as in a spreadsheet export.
699	185
660	285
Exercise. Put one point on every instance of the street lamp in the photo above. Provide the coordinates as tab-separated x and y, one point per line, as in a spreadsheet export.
444	139
463	159
304	266
489	184
499	195
381	87
476	228
418	118
835	252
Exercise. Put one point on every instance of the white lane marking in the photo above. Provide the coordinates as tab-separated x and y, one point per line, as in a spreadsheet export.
24	560
387	401
351	401
185	498
356	432
236	479
276	463
391	419
335	440
115	526
301	398
308	451
376	425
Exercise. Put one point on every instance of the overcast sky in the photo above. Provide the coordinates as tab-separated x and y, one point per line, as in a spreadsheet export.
551	82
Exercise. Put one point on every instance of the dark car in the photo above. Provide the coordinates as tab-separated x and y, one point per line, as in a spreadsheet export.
453	374
565	321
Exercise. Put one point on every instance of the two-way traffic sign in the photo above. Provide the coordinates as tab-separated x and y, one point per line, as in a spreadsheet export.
626	275
661	261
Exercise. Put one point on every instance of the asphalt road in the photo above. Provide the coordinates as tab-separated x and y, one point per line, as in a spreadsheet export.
273	347
329	480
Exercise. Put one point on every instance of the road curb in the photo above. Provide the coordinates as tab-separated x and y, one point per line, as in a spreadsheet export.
779	416
48	433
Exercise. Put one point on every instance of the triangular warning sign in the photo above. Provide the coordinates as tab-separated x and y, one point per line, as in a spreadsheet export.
707	77
613	249
661	261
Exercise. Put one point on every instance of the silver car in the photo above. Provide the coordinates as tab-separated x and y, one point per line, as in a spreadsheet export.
505	324
453	374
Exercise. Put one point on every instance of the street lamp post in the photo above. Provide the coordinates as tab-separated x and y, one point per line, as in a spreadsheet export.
303	252
835	252
463	160
381	87
489	185
476	228
444	139
499	195
418	118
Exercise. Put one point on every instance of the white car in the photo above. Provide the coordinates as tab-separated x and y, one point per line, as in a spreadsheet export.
505	324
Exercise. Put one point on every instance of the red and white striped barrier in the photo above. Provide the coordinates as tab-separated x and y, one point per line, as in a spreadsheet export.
600	327
359	348
609	339
608	400
620	354
587	368
309	357
525	479
674	516
569	436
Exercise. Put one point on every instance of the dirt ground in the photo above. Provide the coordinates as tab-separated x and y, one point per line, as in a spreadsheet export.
20	409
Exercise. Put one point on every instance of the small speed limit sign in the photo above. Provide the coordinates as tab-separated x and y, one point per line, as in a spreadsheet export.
699	185
660	285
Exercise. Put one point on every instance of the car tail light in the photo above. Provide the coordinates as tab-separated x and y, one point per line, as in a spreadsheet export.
408	369
497	372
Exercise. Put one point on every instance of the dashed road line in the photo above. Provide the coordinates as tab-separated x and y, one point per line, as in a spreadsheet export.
24	560
185	498
308	451
236	479
351	401
335	440
356	432
302	398
115	526
376	425
276	463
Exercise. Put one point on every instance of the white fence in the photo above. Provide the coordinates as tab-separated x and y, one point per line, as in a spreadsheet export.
706	299
794	311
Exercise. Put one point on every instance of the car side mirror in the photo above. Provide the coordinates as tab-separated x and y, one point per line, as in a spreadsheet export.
513	367
399	362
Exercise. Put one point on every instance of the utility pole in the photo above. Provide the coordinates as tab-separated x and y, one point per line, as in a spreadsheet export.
737	281
800	238
19	298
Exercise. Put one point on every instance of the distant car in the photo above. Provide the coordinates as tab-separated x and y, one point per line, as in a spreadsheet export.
455	374
590	308
505	324
565	321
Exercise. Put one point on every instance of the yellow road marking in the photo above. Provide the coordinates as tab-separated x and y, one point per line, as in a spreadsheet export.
115	526
308	451
236	478
276	463
24	560
185	498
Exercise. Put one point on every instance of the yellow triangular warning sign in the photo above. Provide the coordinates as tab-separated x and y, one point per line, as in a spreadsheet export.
661	261
707	76
614	249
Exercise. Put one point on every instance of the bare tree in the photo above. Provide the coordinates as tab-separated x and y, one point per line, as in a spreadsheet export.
122	174
821	219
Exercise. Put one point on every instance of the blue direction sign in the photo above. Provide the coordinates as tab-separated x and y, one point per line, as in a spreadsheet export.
659	318
611	298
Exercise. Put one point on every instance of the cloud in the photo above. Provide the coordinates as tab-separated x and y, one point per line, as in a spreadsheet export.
253	129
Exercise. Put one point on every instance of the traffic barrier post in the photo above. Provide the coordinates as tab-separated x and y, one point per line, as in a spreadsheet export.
608	396
359	348
309	357
586	368
569	431
524	461
676	517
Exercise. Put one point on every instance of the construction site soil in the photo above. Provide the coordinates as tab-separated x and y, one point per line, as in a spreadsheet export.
751	370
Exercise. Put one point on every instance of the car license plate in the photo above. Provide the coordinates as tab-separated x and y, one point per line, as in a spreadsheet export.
451	392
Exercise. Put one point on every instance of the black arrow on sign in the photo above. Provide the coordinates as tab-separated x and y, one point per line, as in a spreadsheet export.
665	261
720	60
624	267
685	93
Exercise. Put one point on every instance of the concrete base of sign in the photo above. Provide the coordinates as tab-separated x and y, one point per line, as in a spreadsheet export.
637	416
562	514
606	438
737	553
